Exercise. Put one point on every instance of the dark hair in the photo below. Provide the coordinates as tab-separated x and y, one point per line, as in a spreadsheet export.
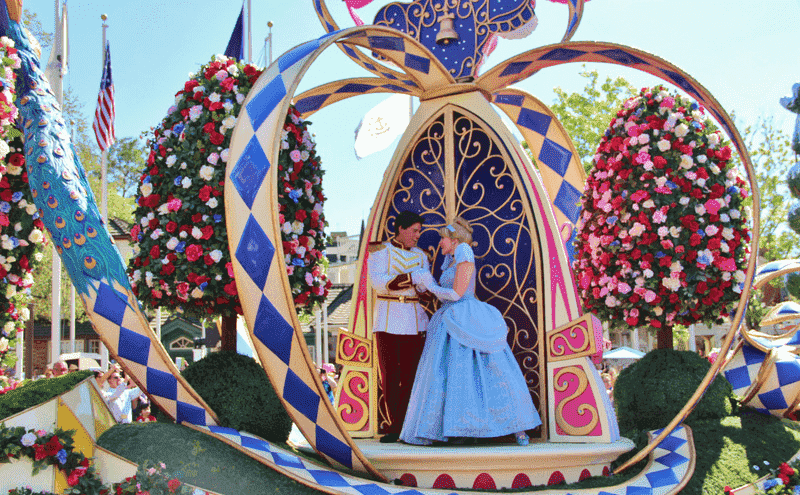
406	219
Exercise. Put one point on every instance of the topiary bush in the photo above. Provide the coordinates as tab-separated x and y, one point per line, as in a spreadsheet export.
33	393
650	392
237	389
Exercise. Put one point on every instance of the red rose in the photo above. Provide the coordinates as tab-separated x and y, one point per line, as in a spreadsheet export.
155	252
217	138
173	485
208	231
209	128
6	194
300	215
230	288
205	193
208	260
171	226
193	252
196	218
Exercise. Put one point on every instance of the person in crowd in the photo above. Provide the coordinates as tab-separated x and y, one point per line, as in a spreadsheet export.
72	368
326	384
144	415
608	381
120	394
59	368
400	319
48	373
468	384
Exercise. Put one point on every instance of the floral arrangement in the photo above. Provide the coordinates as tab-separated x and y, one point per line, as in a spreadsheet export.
21	230
183	258
300	203
152	479
663	234
51	449
785	480
27	490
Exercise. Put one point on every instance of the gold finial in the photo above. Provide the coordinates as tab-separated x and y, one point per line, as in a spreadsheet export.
103	17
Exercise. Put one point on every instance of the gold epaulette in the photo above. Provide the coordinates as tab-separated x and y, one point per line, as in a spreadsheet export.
375	246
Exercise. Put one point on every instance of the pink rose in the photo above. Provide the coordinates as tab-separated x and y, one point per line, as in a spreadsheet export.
667	102
174	204
712	206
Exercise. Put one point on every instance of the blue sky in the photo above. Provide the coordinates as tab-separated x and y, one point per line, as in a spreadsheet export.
743	51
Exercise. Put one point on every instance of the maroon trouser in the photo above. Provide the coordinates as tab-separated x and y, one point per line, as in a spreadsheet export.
398	357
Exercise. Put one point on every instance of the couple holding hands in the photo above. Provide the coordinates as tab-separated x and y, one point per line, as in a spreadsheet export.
462	381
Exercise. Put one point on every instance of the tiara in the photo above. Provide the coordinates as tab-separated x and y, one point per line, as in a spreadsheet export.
450	228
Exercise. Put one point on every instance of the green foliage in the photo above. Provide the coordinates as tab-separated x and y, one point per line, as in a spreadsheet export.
586	115
198	459
756	309
652	391
126	160
153	479
237	389
792	283
793	217
33	393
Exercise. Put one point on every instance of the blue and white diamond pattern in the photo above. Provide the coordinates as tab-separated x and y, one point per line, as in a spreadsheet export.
666	473
781	386
742	370
768	271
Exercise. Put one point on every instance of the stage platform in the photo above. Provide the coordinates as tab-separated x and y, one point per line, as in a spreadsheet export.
493	465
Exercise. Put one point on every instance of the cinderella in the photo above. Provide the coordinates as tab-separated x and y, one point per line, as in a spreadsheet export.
468	384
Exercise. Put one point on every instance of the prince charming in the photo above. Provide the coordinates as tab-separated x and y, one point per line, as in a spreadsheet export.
400	320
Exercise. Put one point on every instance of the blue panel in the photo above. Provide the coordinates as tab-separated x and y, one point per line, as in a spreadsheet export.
355	88
302	398
190	414
537	122
419	64
638	490
259	108
349	51
273	330
563	54
671	443
788	372
162	384
795	340
328	478
255	252
369	66
294	56
738	377
622	57
773	399
682	83
555	156
411	83
223	430
372	489
516	100
110	304
386	43
752	355
568	201
334	448
389	75
133	347
311	104
514	68
789	308
570	244
662	478
395	88
255	444
672	459
249	171
283	459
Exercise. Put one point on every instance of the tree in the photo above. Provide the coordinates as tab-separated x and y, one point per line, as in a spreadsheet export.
126	160
663	237
586	115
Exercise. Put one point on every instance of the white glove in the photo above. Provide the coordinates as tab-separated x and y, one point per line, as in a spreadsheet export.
444	294
422	278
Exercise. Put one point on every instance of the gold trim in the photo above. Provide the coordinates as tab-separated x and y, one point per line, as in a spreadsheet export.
583	384
763	375
587	349
348	408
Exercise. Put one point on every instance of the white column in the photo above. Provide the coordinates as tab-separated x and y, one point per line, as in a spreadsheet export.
635	338
325	351
20	350
318	337
158	323
71	318
692	343
55	309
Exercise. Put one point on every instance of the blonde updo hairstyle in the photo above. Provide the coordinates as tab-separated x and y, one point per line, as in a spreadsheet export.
462	231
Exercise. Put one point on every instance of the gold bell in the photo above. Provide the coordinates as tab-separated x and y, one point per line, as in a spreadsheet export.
447	34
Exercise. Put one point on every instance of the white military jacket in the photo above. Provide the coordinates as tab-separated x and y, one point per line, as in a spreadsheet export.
400	318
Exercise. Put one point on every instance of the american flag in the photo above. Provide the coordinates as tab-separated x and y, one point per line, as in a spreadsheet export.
104	115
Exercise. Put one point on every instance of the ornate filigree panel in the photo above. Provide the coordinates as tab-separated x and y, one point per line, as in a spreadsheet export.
579	338
576	410
458	165
353	400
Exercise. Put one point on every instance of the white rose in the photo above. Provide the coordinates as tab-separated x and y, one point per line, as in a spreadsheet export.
223	155
197	233
197	293
686	162
137	275
648	273
212	203
183	234
663	145
156	234
3	340
14	170
186	183
11	291
172	243
146	189
297	227
739	276
713	139
206	172
703	159
700	209
36	236
681	130
38	256
171	159
30	209
25	313
7	245
672	284
216	255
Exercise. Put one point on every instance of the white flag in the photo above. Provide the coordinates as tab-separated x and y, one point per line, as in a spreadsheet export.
59	54
381	125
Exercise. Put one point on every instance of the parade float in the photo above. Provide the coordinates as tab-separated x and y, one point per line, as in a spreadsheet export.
456	158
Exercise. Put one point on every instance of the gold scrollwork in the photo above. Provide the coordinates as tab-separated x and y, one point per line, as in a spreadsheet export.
562	386
355	384
353	350
562	341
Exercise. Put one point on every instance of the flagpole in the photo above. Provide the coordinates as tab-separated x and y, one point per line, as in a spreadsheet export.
104	189
268	43
55	283
249	32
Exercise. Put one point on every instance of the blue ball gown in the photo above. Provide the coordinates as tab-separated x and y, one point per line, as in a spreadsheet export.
468	383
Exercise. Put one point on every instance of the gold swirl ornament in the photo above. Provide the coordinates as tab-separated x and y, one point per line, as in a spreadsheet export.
91	232
89	262
561	384
60	223
80	240
79	215
52	202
